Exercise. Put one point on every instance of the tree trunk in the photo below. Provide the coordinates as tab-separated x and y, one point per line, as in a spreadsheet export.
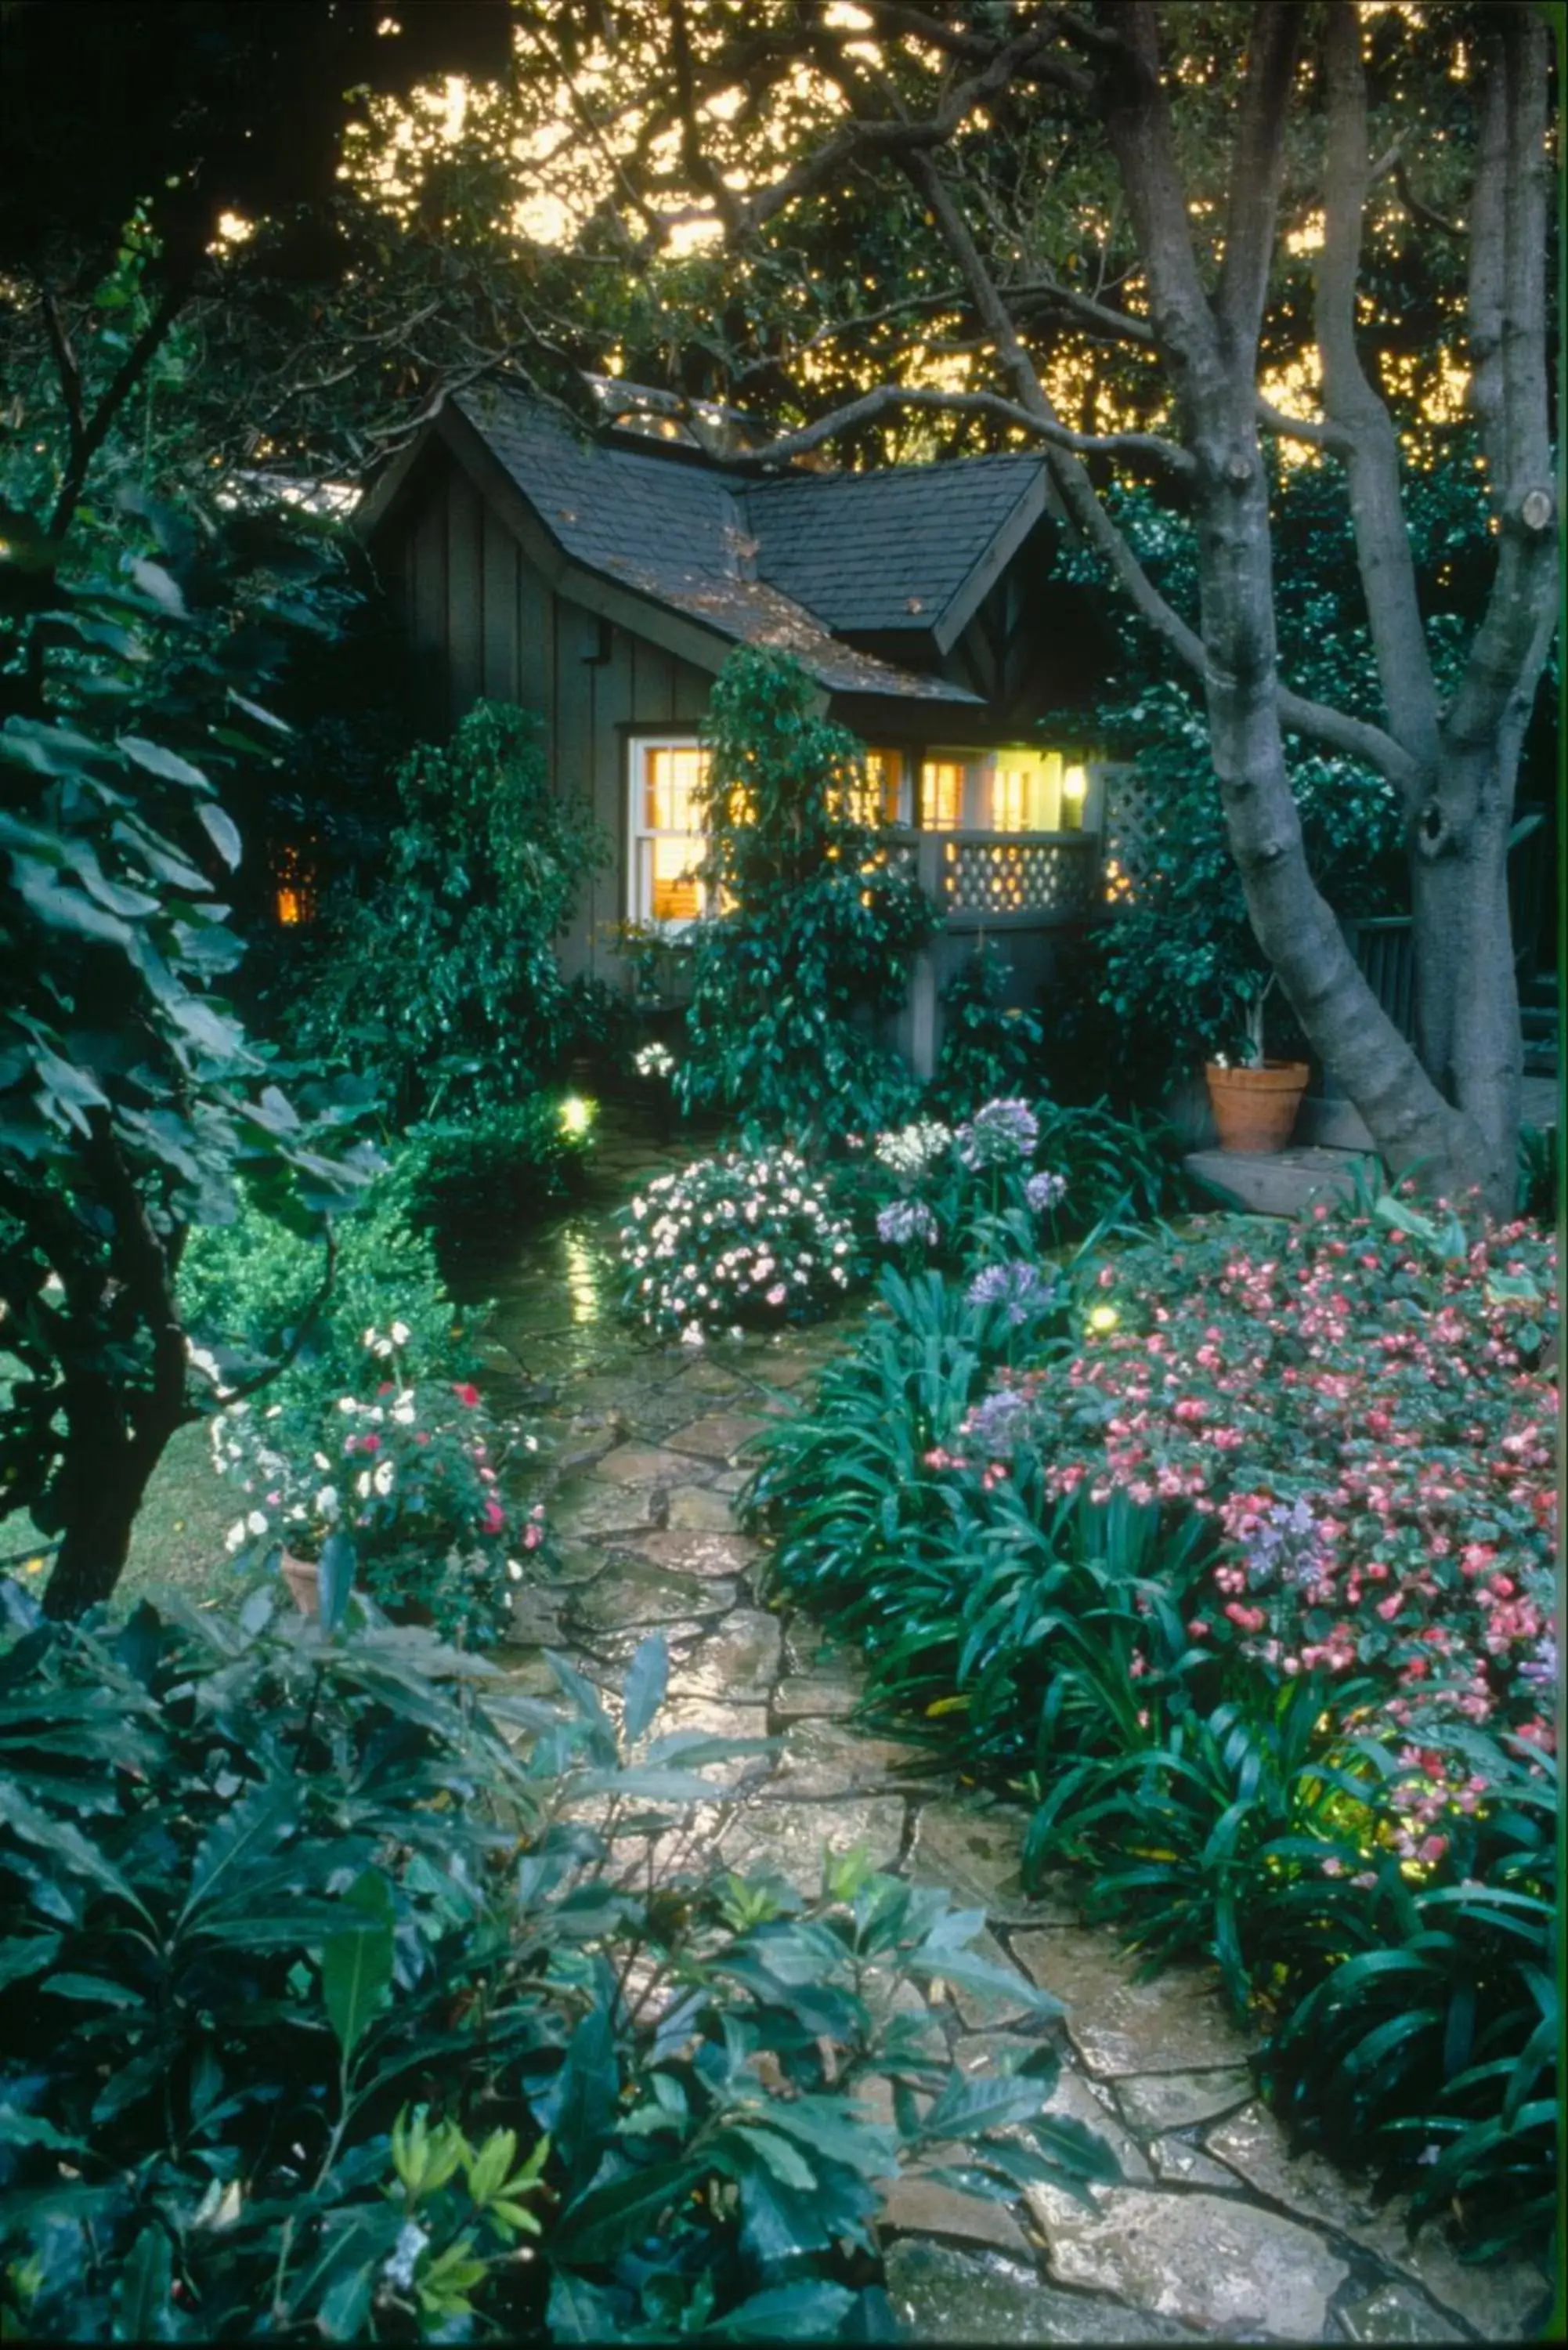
106	1473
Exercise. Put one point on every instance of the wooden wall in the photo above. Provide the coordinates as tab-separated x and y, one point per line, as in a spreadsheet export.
484	623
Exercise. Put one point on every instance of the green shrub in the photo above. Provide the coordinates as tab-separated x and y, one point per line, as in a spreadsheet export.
989	1047
251	1292
810	942
330	2013
497	1168
443	985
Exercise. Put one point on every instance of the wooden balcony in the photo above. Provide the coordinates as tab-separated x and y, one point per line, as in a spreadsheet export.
1004	880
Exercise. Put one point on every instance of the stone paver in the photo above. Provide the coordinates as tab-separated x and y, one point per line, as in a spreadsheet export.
942	2295
718	1435
1212	2262
1219	2229
1172	2024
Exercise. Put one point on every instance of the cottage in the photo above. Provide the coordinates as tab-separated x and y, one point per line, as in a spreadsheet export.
601	581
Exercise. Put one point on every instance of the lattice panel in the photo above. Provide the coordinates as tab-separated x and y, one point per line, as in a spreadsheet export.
1018	877
1132	830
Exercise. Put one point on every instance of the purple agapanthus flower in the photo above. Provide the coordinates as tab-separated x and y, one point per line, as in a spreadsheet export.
905	1221
996	1425
999	1135
1542	1667
1045	1191
1285	1546
1018	1287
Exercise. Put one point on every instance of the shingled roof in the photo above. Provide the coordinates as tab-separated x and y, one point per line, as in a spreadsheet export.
799	562
890	551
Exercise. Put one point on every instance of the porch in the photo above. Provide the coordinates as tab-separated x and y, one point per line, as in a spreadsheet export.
1031	891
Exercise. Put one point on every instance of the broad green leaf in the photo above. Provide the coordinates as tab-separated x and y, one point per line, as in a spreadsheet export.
143	2312
357	1963
810	2311
167	764
249	1832
607	2221
648	1677
223	832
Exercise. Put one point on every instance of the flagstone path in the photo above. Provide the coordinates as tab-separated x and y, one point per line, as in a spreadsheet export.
1218	2231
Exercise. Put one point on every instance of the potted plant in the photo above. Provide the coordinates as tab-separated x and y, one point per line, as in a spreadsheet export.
1255	1099
408	1483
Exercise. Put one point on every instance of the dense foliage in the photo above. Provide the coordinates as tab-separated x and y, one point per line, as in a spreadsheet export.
443	986
330	2008
132	1106
256	1294
989	1044
809	930
1245	1570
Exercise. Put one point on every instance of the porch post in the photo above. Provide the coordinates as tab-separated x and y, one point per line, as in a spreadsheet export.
923	977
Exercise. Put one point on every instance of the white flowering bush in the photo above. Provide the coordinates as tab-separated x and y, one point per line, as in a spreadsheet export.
747	1241
415	1483
653	1060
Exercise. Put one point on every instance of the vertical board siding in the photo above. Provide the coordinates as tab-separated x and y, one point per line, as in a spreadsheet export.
465	595
499	558
483	621
427	608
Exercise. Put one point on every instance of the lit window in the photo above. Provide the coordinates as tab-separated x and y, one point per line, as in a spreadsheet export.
879	800
294	885
941	795
668	843
1010	799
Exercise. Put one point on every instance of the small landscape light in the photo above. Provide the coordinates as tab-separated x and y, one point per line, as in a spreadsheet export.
576	1115
1104	1317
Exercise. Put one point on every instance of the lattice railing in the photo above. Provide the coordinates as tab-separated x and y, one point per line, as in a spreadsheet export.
1020	873
1017	877
1131	830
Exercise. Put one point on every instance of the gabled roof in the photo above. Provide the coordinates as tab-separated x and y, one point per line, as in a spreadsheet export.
893	551
800	561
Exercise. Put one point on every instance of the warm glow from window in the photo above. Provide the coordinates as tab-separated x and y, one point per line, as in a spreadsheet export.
941	795
668	843
294	885
878	800
1010	800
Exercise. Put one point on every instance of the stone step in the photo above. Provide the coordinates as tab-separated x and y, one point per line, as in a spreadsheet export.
1279	1182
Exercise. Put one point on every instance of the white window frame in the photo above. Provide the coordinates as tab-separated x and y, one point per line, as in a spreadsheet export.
640	835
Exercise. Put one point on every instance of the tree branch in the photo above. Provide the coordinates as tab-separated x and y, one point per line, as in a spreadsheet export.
95	431
1509	385
1356	738
1257	171
889	398
1416	208
1358	413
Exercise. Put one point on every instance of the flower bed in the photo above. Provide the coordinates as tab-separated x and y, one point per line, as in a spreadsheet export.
752	1239
1365	1411
1240	1567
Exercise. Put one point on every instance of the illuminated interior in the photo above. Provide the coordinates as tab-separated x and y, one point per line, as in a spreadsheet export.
941	795
294	885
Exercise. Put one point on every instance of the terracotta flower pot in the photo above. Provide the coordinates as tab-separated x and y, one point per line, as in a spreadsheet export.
303	1577
1255	1109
